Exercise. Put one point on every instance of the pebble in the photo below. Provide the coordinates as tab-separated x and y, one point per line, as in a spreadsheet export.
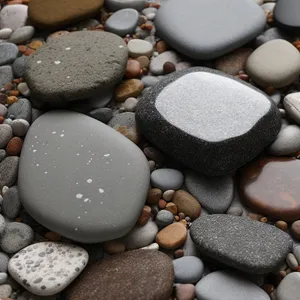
133	69
164	218
6	75
103	114
13	16
11	204
167	179
6	133
276	97
4	259
271	34
172	236
5	33
2	154
5	290
23	89
130	104
137	48
287	141
3	110
157	64
114	247
292	261
188	269
22	34
14	146
153	196
153	246
185	292
291	104
144	61
16	236
2	224
3	277
20	110
295	230
19	127
114	5
122	22
296	252
8	53
129	88
35	274
149	81
289	287
19	66
144	216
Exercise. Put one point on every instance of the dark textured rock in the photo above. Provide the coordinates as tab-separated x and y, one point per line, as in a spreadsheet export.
241	243
6	75
197	109
8	171
76	66
20	110
11	204
19	66
103	114
137	274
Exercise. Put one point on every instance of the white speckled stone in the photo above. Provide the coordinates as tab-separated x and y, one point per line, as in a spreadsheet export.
291	104
47	268
289	287
13	16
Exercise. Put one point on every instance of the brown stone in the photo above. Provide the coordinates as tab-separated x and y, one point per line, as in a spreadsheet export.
172	236
57	13
171	207
169	67
271	186
187	204
129	88
3	98
113	247
281	225
144	61
145	215
133	69
153	196
14	146
161	46
36	44
53	236
132	275
57	34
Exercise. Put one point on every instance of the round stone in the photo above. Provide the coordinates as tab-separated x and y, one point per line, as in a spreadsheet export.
185	292
13	16
9	171
6	134
172	236
137	48
164	218
19	66
11	204
295	230
5	33
289	287
167	179
8	53
291	104
270	186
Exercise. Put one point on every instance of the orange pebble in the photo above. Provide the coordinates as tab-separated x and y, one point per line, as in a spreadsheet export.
29	52
162	203
14	146
13	93
36	44
1	120
263	220
170	206
11	99
22	48
53	236
298	269
18	80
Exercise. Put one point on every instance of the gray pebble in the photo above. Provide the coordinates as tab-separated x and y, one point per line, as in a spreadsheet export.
271	34
289	287
3	110
2	224
130	104
3	277
4	259
11	203
22	34
104	114
149	80
6	75
35	113
189	246
114	5
19	66
164	218
5	33
6	134
2	154
8	171
276	97
8	53
20	127
296	252
292	261
167	179
235	211
20	110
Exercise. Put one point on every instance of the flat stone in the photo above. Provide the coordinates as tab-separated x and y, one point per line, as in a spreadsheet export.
8	171
267	68
104	177
233	286
271	34
104	114
289	287
114	5
5	290
5	33
13	16
8	53
129	88
22	34
172	236
58	14
6	135
137	48
6	75
241	243
157	63
19	66
270	186
214	193
11	204
122	22
167	179
102	56
20	110
188	269
200	23
134	269
291	104
199	107
47	268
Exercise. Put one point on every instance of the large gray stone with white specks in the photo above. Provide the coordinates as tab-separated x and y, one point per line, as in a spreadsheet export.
241	243
104	171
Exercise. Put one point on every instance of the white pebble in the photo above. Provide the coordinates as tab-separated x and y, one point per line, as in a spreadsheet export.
153	246
168	195
23	89
130	104
292	261
4	190
5	33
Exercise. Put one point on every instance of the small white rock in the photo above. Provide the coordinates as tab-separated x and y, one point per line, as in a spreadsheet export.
5	33
23	89
130	104
292	261
153	246
137	47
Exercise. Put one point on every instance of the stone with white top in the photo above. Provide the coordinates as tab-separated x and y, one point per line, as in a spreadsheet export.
87	181
200	108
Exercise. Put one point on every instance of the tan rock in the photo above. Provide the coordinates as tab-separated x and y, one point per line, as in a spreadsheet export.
129	88
172	236
145	215
153	196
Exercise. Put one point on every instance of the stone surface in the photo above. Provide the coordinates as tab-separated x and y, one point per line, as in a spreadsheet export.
20	110
8	171
61	13
275	63
13	16
5	33
137	48
185	292
172	236
122	22
6	134
157	63
199	107
228	285
4	259
289	287
6	75
67	263
114	5
208	32
291	104
130	269
271	34
8	53
102	56
19	66
22	34
11	204
164	218
214	193
167	179
271	186
57	150
241	243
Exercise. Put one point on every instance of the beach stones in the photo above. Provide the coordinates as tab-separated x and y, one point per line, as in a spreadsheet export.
289	287
275	63
130	269
232	285
241	243
208	32
167	179
114	5
57	14
77	66
291	103
31	267
13	16
105	172
172	236
270	186
6	75
8	53
199	107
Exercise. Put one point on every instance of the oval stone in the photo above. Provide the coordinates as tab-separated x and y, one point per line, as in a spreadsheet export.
87	182
241	243
271	186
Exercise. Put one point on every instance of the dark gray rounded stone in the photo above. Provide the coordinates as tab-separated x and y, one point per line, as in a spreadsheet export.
167	179
122	22
123	119
20	110
114	5
241	243
19	66
6	75
4	259
214	193
8	53
104	114
76	66
11	204
9	171
207	29
85	173
164	218
199	108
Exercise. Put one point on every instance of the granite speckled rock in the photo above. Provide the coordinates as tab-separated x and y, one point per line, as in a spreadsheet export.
200	107
129	274
6	75
8	171
77	66
31	267
208	32
114	5
105	174
241	243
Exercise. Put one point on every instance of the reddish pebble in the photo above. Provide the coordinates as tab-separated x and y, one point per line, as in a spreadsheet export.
14	146
161	46
13	93
172	208
162	203
29	52
185	292
53	236
22	48
179	253
168	67
1	120
133	69
36	44
145	215
176	218
298	269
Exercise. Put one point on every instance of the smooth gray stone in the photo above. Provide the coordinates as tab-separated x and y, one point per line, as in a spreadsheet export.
8	53
16	236
13	16
289	287
214	193
9	171
188	269
87	23
20	110
271	34
35	113
6	134
167	179
20	127
291	103
227	285
114	5
296	252
287	141
122	22
2	224
6	75
189	246
3	277
22	35
11	204
164	218
4	259
200	23
124	119
241	243
104	114
276	97
104	171
2	154
19	66
149	81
